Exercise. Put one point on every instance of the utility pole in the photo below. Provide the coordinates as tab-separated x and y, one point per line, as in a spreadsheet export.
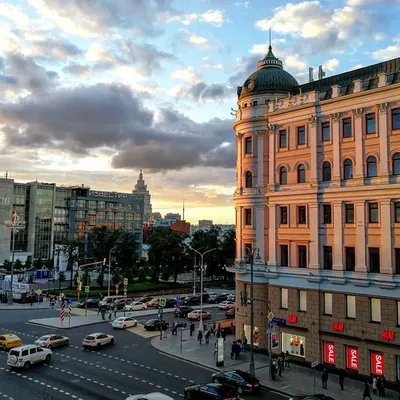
109	270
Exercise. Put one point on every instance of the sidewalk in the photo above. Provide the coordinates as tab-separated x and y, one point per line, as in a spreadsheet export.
295	380
75	321
19	306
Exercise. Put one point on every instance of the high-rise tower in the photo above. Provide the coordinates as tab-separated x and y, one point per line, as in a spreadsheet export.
141	189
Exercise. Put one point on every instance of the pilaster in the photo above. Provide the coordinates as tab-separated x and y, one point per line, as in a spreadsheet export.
313	139
335	119
386	238
313	219
383	140
239	220
338	237
358	170
239	144
272	236
361	265
260	231
272	144
260	159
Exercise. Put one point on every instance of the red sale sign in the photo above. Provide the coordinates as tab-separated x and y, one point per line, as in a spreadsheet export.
352	358
377	363
330	353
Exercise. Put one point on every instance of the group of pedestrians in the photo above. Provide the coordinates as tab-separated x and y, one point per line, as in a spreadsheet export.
279	364
104	309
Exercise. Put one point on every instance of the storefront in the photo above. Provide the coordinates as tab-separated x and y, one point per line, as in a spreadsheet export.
294	344
352	358
256	334
377	363
330	353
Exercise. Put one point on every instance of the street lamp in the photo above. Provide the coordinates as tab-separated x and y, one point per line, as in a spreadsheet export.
109	270
201	282
251	252
16	226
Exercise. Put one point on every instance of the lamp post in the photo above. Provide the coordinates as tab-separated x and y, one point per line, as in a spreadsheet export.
109	270
251	252
201	282
16	226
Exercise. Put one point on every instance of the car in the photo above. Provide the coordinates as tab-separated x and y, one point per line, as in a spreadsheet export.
154	325
135	306
124	322
195	315
230	313
27	355
218	298
144	299
318	396
121	303
52	340
153	302
210	391
242	381
97	340
9	340
91	303
108	300
170	303
231	297
150	396
191	301
182	311
226	304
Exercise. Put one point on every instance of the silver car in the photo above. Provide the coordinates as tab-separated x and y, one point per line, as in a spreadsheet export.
52	340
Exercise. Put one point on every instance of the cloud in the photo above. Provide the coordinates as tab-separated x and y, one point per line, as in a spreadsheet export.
294	62
387	53
332	64
212	66
212	17
53	49
386	3
199	40
201	92
77	69
13	13
186	74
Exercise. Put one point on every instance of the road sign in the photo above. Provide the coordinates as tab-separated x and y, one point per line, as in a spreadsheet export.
279	321
178	298
271	316
87	289
70	301
125	281
38	292
314	364
270	325
162	302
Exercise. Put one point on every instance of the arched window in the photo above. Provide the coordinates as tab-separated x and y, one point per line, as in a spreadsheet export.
372	169
283	176
301	174
396	164
348	169
326	171
249	179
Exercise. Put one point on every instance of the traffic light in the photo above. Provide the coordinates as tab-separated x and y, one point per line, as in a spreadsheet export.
158	312
274	342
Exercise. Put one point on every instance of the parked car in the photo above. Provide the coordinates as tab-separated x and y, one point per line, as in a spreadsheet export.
150	396
231	297
230	313
317	396
182	311
191	301
153	302
51	340
195	315
9	340
144	299
226	305
242	381
27	355
124	322
97	340
135	306
210	391
218	298
91	303
154	325
170	303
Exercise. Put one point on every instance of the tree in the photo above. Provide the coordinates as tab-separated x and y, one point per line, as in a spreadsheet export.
28	264
18	265
70	249
7	265
37	264
227	251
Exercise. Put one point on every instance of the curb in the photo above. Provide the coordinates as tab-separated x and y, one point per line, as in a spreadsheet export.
32	322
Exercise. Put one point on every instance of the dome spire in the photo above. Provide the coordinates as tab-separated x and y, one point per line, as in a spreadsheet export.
270	61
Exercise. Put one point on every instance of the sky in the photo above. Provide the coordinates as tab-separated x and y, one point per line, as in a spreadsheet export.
92	91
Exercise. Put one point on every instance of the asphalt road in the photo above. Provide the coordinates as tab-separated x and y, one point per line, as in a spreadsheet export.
131	366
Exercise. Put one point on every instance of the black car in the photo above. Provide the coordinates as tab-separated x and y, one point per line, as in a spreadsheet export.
170	303
230	313
242	381
154	325
210	391
91	303
218	298
144	299
182	311
191	301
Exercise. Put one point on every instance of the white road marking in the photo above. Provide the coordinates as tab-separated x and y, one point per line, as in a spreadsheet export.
6	396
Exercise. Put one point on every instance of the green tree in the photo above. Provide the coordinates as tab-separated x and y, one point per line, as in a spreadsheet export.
38	263
28	264
70	249
7	265
227	250
18	265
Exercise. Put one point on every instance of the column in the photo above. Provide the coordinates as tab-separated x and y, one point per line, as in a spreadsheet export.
337	237
313	220
383	140
361	265
239	155
271	131
260	159
386	238
335	118
358	137
260	232
313	141
272	234
239	220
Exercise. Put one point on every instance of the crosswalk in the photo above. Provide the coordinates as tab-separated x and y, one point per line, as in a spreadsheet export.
139	330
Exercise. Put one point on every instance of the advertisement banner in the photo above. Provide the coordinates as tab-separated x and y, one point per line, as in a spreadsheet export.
352	358
330	353
377	363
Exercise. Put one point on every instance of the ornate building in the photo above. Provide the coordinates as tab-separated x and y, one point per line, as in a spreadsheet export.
318	201
141	189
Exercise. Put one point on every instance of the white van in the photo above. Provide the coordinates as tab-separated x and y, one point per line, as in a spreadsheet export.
108	300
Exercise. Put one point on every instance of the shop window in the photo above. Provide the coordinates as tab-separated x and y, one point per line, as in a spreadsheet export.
372	168
328	303
302	256
352	358
327	213
284	215
248	145
396	118
375	310
326	171
398	368
347	169
328	257
92	220
284	298
377	363
373	213
374	259
349	213
256	335
326	131
282	139
301	215
350	258
293	344
247	216
302	300
370	123
351	306
284	255
301	135
347	132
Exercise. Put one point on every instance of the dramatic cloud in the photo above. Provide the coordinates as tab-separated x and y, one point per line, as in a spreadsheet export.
201	92
387	53
77	69
187	74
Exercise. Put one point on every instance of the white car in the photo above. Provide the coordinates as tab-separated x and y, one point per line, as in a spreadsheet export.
225	305
124	322
97	340
150	396
51	341
135	306
27	355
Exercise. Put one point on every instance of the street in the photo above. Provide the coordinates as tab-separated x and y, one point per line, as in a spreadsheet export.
130	366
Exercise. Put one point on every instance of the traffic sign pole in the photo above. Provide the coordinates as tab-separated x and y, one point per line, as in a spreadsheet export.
62	313
87	289
125	292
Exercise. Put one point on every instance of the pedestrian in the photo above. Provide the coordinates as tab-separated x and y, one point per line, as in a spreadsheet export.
200	337
367	393
383	381
215	347
109	312
245	344
192	328
103	313
223	335
287	359
208	336
115	310
273	373
324	379
214	328
218	334
374	384
280	366
237	350
341	379
233	349
379	386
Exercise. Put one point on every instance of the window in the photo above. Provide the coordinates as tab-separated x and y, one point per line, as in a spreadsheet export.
255	103
347	127
327	213
397	260
284	215
301	215
302	300
284	298
370	123
372	169
396	164
374	259
327	257
396	118
349	213
32	350
347	169
398	313
326	131
81	214
248	180
301	135
328	303
373	213
282	139
248	145
376	310
302	256
247	216
397	211
326	171
351	306
350	258
283	176
284	255
301	174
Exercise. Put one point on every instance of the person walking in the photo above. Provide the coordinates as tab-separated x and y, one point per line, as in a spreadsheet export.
207	336
200	337
374	385
379	386
245	345
287	364
341	379
233	349
324	379
192	328
280	366
383	385
367	392
103	313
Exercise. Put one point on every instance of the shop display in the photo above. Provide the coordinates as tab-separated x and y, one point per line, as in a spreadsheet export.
256	334
294	344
